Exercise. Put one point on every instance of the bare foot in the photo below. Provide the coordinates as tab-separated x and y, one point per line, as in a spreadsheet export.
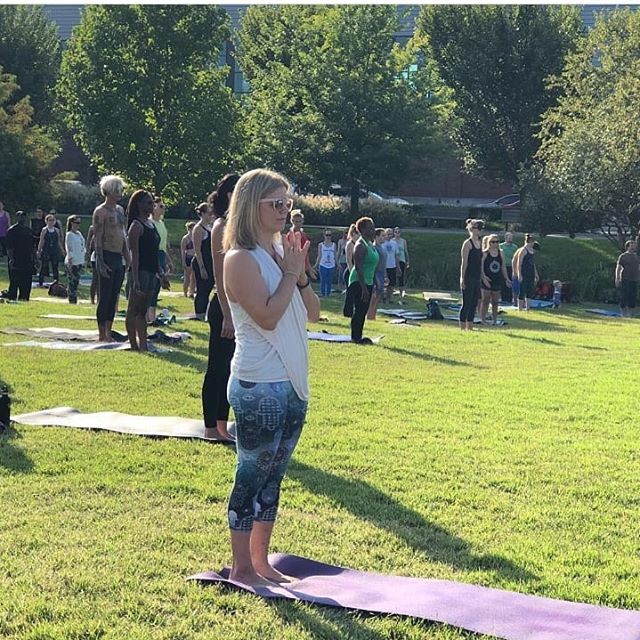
269	573
251	579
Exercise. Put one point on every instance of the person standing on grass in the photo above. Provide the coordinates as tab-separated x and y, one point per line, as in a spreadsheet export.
403	259
470	273
365	261
524	269
326	262
270	301
166	264
146	269
508	248
626	278
215	404
5	223
111	252
50	249
342	256
75	247
20	255
494	274
90	258
297	222
202	262
379	277
186	253
392	251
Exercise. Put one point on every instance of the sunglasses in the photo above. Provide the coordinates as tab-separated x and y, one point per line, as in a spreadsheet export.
75	222
493	242
327	235
279	203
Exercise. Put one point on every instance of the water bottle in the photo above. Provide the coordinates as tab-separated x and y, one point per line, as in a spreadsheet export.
5	406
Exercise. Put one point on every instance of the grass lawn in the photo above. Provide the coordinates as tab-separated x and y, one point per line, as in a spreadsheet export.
507	458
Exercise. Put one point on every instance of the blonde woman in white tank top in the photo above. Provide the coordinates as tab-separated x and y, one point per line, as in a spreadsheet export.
270	301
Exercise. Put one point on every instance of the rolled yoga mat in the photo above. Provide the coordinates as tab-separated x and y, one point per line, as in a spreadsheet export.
504	614
162	426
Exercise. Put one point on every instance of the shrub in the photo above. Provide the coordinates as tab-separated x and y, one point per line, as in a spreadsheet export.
72	197
329	211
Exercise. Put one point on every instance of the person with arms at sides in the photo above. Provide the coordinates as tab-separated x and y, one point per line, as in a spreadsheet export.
470	273
326	262
627	276
524	269
50	249
146	269
20	255
392	252
380	276
508	248
297	222
5	223
111	251
215	405
365	261
270	301
494	274
75	247
202	261
403	260
157	218
186	252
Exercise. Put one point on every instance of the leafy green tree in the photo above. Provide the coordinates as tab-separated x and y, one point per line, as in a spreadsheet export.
30	50
590	144
142	93
329	101
27	150
495	58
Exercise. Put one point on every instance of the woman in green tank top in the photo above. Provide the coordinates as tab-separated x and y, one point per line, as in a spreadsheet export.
365	260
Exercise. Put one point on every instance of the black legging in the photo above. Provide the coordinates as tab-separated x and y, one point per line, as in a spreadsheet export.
203	287
215	405
46	260
470	296
109	287
360	309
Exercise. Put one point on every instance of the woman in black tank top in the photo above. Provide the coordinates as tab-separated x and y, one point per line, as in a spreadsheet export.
470	272
494	275
144	242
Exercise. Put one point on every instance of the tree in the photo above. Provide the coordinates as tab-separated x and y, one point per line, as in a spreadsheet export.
30	50
27	150
495	58
329	101
142	93
590	139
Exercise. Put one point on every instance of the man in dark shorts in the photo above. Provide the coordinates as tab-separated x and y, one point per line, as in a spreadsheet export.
112	253
627	276
20	253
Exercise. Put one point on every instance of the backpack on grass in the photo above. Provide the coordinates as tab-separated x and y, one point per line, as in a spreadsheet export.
58	290
433	310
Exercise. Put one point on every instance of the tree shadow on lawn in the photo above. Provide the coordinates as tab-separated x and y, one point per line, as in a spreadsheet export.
523	320
430	358
553	342
371	504
12	457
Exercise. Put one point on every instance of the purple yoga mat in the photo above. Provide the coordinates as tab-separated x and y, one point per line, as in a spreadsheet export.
505	614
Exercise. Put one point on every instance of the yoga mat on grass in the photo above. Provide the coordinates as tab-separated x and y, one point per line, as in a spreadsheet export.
69	316
91	335
610	313
325	336
162	426
439	295
456	318
404	313
82	345
57	300
505	614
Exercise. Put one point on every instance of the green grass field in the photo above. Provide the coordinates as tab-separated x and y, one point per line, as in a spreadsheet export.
503	457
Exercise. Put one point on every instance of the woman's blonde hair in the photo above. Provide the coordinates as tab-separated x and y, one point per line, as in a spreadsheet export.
486	241
352	230
243	224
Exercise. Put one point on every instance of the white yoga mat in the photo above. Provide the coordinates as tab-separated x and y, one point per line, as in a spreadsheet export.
69	316
439	295
82	345
163	426
57	300
334	337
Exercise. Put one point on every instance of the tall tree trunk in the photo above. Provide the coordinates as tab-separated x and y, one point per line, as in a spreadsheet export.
355	199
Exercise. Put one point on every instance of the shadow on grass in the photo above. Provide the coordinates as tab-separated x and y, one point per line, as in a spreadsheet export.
11	456
553	342
371	504
523	320
430	358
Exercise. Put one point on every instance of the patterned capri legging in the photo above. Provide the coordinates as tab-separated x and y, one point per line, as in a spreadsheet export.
269	418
